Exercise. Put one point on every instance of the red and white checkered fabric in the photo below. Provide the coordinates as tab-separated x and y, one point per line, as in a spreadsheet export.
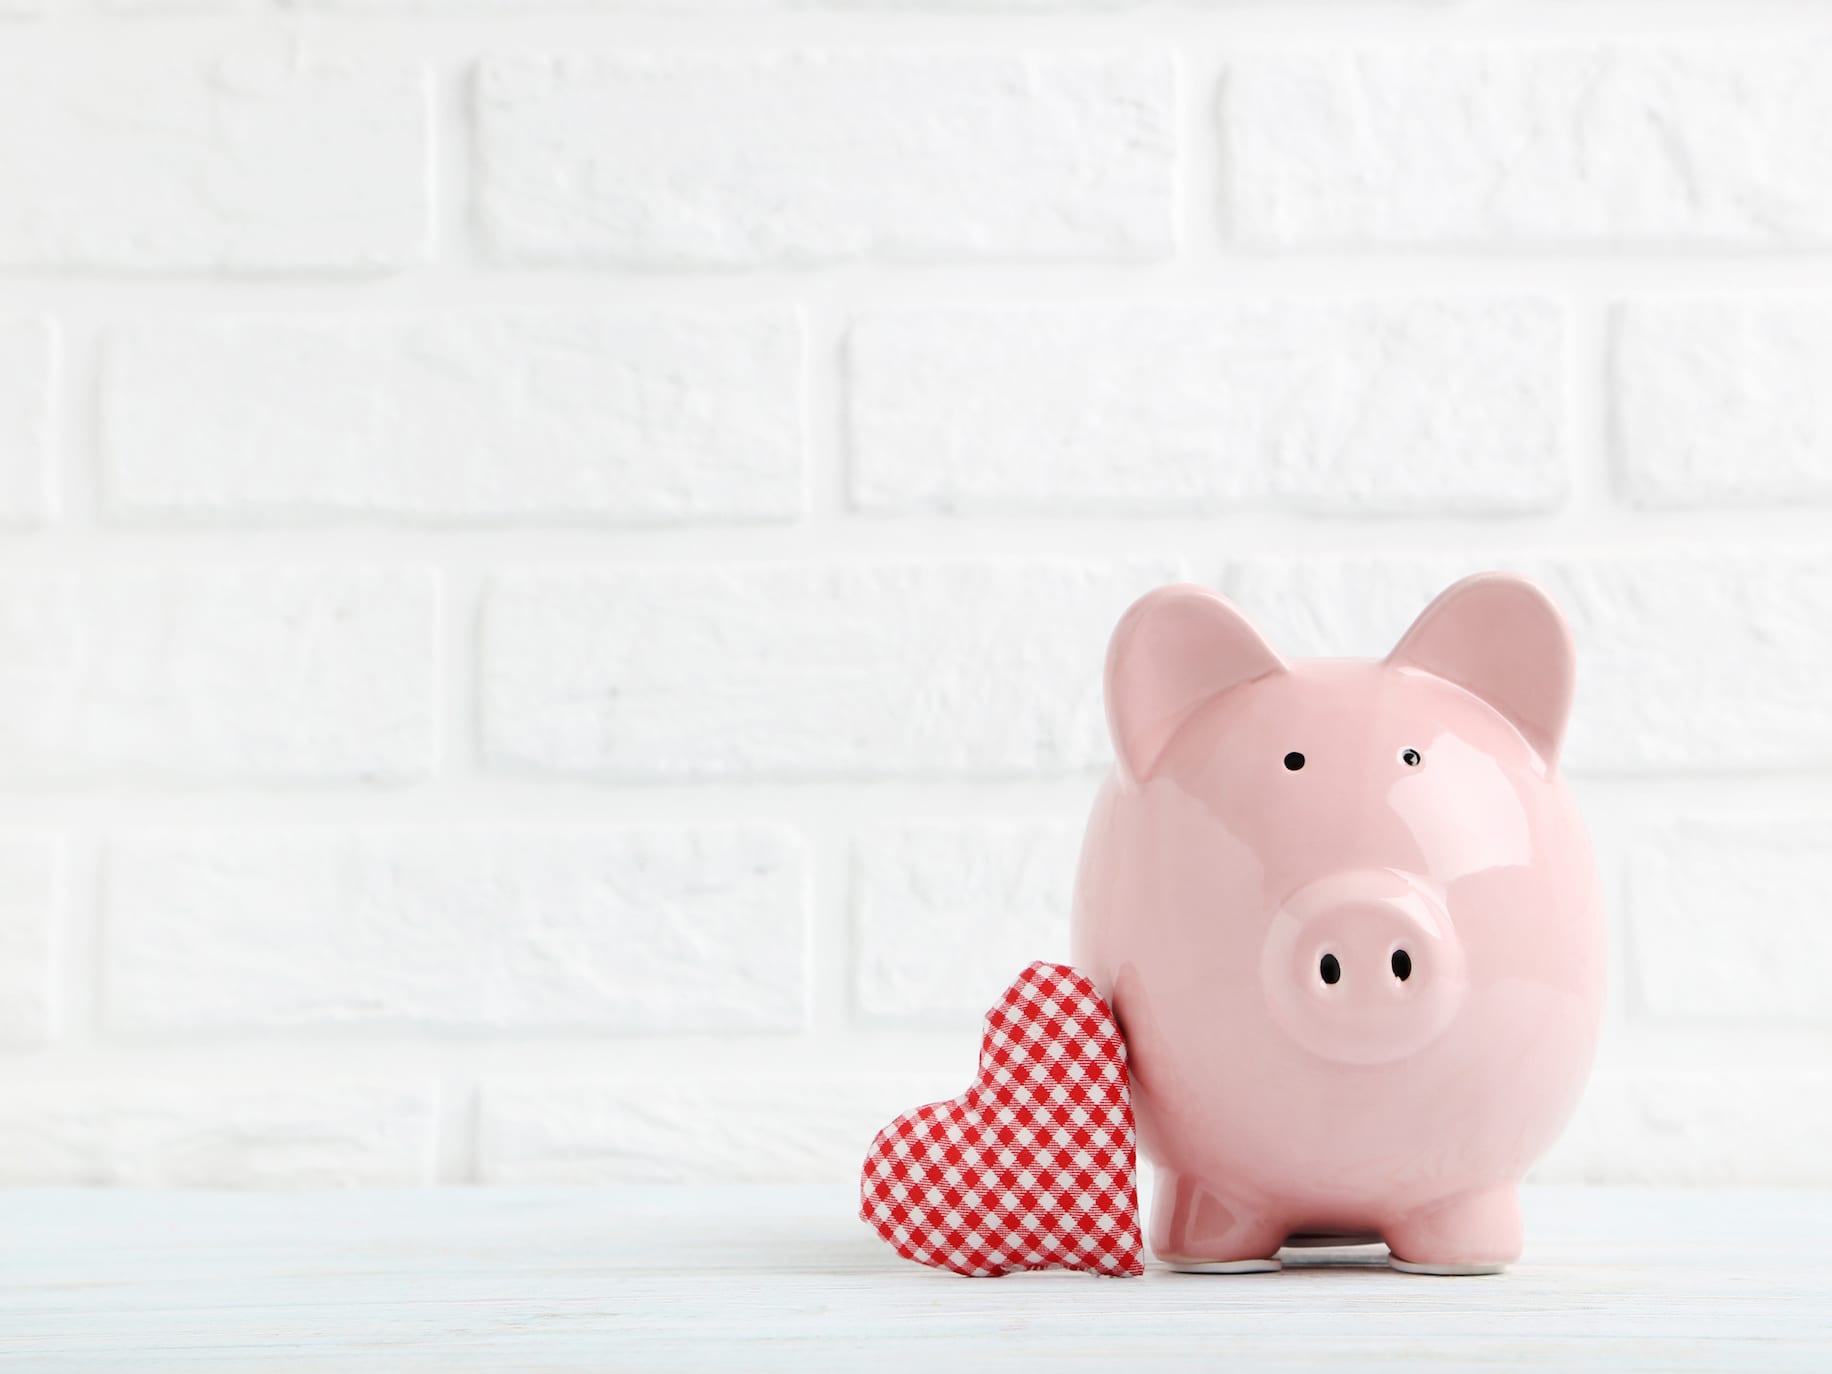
1032	1168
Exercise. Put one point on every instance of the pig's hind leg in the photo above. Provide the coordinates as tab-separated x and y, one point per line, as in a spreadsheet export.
1196	1232
1473	1233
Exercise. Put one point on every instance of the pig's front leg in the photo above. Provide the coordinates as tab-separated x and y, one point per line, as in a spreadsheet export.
1195	1231
1473	1233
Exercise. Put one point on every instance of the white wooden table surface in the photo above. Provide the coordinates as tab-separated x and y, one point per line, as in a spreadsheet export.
757	1278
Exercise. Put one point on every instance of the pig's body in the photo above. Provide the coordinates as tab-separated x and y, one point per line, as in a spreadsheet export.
1249	922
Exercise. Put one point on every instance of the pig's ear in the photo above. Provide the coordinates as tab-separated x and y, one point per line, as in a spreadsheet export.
1175	649
1500	637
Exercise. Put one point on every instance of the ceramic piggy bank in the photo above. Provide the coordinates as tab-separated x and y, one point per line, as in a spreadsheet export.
1346	916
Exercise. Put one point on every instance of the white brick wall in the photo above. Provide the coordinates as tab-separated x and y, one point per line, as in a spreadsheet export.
665	159
189	1133
772	1127
620	931
220	674
1368	407
31	909
853	669
28	360
946	914
1722	402
555	554
658	415
1613	142
1688	962
116	158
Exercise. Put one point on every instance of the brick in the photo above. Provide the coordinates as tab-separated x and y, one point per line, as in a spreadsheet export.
643	415
162	1132
1732	1124
31	901
1705	661
1556	144
11	9
620	930
715	7
1721	402
729	160
28	371
230	164
1388	405
696	1127
802	671
213	674
1727	918
1640	1123
948	914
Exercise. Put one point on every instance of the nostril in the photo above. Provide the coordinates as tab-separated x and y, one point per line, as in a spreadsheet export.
1402	965
1329	969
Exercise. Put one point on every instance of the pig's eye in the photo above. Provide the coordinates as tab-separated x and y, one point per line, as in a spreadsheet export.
1411	757
1294	760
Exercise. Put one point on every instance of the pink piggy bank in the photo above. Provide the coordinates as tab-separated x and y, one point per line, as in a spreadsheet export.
1346	916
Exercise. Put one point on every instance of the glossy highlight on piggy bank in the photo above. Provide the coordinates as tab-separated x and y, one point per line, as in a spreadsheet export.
1346	916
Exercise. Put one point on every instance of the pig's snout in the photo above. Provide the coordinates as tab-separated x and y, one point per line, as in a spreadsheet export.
1363	967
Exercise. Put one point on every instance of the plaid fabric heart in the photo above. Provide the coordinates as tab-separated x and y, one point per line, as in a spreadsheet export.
1032	1168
